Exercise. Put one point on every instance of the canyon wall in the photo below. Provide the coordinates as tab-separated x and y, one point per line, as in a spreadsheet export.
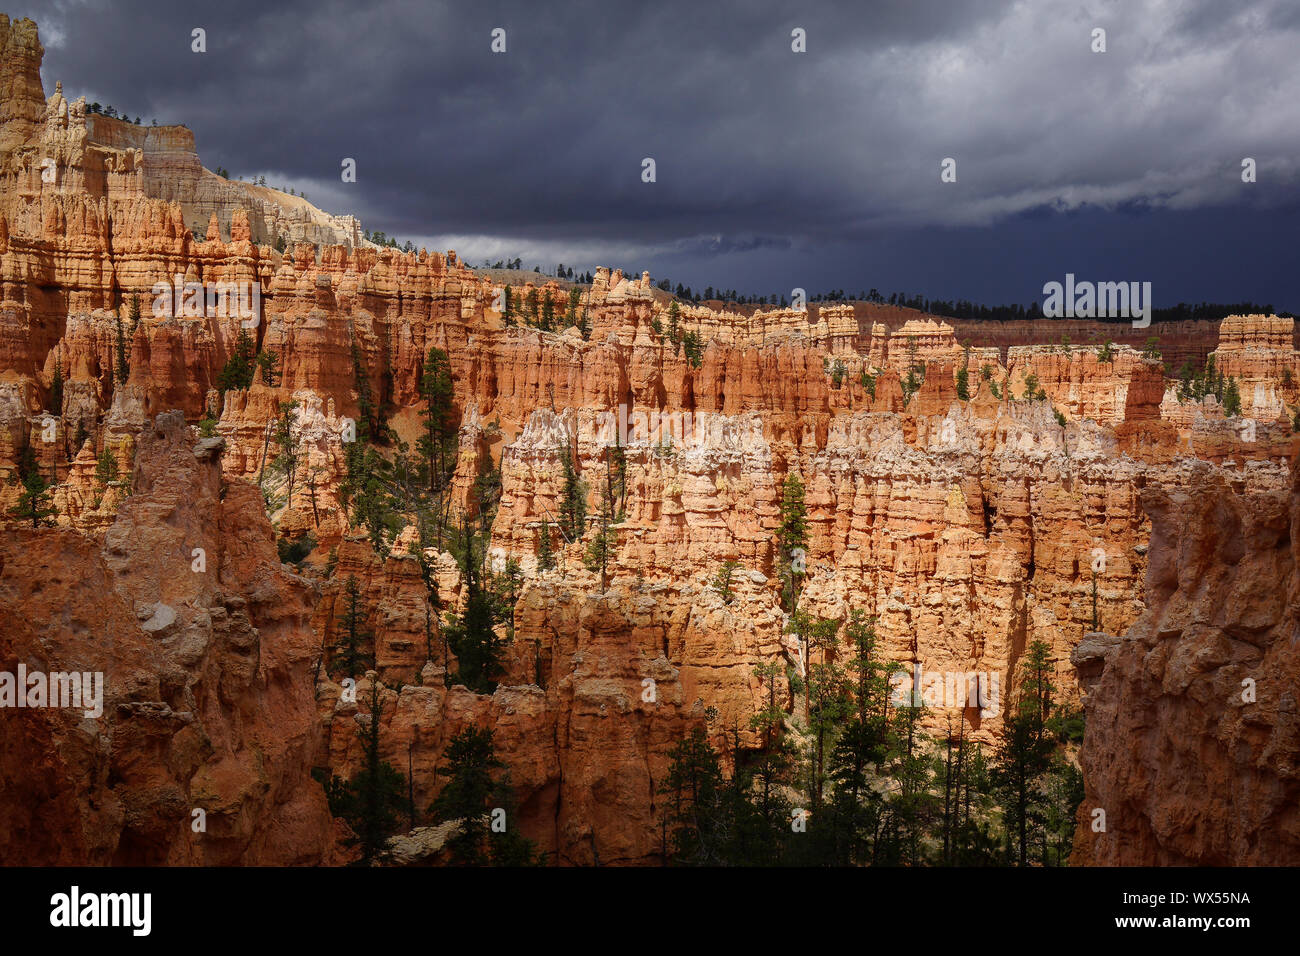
1192	749
202	752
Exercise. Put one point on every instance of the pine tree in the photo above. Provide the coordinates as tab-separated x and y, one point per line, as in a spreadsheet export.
1232	398
722	582
438	391
792	538
122	370
857	807
545	550
367	426
477	804
1024	753
571	314
603	543
573	505
237	373
350	659
106	468
34	502
287	460
56	390
694	785
472	636
371	801
267	362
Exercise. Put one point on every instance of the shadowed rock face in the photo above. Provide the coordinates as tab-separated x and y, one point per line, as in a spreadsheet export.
1192	746
208	699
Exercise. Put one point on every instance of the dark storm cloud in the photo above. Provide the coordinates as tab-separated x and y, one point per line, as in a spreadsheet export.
774	169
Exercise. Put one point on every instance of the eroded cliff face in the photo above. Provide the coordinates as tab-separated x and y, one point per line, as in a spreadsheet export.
206	653
1192	749
969	525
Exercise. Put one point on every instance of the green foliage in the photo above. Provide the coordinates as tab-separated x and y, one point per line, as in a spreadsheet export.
106	469
286	461
837	373
1195	386
1107	352
1033	391
295	552
881	792
472	635
437	443
368	423
792	538
963	384
1024	756
371	801
480	806
123	369
56	390
545	548
722	581
868	382
693	349
34	502
604	543
1152	348
237	373
350	658
573	504
914	378
487	495
267	362
571	313
1060	418
207	426
366	491
1231	398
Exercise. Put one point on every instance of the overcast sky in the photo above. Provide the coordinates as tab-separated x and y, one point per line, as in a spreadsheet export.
774	169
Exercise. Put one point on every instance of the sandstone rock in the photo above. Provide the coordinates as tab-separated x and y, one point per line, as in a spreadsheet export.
1192	746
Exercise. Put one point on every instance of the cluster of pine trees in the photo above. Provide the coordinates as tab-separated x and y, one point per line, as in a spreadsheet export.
379	800
844	774
538	310
390	484
847	777
685	342
1194	386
